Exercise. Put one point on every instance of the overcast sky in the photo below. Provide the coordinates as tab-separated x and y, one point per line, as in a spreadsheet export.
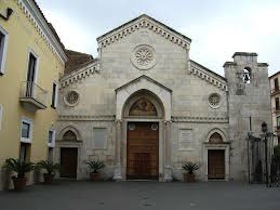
218	28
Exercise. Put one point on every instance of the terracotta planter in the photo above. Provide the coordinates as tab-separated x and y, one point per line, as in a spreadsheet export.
189	177
48	178
94	176
19	183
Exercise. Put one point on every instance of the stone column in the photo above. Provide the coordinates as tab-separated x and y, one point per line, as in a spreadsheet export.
118	169
167	173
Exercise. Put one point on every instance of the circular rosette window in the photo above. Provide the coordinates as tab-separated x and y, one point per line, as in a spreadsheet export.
143	57
214	100
72	98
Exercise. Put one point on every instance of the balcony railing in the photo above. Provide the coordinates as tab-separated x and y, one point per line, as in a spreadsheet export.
32	96
275	91
276	110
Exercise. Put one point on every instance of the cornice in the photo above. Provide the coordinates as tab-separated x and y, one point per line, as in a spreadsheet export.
86	71
86	118
35	17
210	77
141	22
199	119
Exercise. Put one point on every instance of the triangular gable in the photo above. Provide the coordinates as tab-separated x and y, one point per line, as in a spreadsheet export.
144	21
143	77
124	92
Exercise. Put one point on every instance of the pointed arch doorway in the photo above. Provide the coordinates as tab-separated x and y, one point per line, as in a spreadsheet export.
143	113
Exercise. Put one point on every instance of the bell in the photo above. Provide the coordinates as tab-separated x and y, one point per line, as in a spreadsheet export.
246	78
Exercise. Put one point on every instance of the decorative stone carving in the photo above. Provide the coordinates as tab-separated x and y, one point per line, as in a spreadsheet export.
202	73
71	98
143	57
214	100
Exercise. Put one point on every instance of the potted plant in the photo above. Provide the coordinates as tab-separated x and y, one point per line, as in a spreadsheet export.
50	168
20	167
190	167
95	166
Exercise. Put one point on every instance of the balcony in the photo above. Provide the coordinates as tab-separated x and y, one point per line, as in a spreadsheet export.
275	91
276	110
32	97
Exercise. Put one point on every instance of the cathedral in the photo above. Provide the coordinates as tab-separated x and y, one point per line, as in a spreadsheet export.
145	108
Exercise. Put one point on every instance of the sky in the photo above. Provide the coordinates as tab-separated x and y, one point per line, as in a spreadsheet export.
218	28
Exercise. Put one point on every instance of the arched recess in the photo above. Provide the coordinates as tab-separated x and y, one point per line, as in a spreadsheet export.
162	93
69	130
143	104
157	99
68	152
216	155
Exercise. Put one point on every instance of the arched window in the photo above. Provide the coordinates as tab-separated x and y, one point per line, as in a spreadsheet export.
69	136
215	138
246	75
143	107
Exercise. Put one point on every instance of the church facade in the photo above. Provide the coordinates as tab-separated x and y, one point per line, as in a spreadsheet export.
145	108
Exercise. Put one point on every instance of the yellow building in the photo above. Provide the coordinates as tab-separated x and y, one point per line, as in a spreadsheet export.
31	60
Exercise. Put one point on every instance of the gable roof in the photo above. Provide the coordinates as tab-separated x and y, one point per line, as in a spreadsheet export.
76	60
144	21
140	78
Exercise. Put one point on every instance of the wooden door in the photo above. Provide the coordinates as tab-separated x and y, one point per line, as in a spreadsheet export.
142	150
68	161
216	164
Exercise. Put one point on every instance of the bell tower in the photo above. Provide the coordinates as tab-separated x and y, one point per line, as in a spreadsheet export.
248	106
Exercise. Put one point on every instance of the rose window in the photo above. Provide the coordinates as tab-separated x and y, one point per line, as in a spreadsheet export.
72	98
214	99
143	57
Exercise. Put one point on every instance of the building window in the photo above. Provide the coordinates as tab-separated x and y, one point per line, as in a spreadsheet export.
25	149
276	84
31	74
277	105
72	98
54	95
26	131
278	122
3	49
51	138
1	116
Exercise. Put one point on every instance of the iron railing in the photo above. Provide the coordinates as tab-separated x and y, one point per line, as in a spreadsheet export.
30	90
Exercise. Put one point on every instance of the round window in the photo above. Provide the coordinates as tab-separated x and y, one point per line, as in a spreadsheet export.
214	100
143	57
71	98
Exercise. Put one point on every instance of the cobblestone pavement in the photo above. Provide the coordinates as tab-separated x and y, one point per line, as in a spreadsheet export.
82	195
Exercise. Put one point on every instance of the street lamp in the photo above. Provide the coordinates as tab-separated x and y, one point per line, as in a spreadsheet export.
264	130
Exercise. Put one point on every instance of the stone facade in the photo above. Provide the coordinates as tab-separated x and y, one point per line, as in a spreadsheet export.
198	113
275	104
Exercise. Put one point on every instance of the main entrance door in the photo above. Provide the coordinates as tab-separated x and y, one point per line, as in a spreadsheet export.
142	150
216	164
68	161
